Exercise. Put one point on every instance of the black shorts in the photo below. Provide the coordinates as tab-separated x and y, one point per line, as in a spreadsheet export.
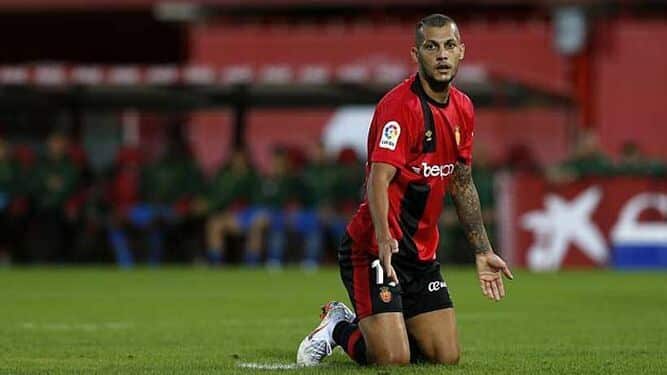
421	287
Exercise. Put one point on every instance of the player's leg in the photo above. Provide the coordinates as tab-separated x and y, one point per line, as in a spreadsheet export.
138	216
430	319
120	244
380	336
436	336
215	237
386	339
277	237
156	243
378	339
163	218
253	221
307	223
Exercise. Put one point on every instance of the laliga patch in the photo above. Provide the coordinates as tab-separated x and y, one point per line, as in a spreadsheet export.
390	134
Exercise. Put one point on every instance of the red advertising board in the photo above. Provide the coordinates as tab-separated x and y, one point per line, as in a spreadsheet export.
593	222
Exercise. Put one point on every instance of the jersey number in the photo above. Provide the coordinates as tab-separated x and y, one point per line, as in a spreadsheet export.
379	272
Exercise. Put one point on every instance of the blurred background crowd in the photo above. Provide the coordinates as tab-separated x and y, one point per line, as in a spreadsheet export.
56	207
225	132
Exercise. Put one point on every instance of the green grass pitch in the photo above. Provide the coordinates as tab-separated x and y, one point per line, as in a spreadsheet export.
201	321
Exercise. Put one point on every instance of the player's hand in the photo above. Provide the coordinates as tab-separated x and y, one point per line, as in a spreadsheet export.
489	268
386	248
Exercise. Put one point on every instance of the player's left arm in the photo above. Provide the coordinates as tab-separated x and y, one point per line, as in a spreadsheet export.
468	208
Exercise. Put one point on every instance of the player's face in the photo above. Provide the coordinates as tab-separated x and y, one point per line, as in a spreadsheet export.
440	53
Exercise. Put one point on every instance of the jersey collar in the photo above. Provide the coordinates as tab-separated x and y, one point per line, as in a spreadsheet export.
417	88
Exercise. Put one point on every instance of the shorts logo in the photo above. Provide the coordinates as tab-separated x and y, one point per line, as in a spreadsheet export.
390	134
385	294
434	286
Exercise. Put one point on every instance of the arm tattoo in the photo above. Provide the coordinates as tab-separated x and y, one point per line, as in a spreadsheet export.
466	200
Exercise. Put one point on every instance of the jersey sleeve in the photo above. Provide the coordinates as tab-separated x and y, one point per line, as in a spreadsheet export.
389	138
467	133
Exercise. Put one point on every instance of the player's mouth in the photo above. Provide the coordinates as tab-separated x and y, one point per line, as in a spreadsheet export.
443	68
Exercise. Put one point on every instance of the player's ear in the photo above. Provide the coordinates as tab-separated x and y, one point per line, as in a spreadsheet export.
414	52
463	50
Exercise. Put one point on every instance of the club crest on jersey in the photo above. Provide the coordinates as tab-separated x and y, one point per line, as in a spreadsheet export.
429	135
457	135
385	294
390	134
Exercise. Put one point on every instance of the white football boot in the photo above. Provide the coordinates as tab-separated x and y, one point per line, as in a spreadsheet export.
320	343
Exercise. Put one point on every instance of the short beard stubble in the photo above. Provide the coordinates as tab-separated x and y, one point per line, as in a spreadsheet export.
435	85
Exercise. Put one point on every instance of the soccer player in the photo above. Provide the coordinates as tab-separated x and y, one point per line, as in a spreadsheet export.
419	146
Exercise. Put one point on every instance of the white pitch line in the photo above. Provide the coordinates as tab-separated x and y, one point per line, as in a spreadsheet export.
269	366
88	327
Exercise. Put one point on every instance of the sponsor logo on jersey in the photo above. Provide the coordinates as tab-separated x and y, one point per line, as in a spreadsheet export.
434	286
390	133
434	170
385	294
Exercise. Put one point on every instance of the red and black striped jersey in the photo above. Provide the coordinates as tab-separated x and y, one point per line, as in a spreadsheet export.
424	140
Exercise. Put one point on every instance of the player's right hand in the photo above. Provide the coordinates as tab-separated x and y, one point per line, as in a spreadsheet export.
386	248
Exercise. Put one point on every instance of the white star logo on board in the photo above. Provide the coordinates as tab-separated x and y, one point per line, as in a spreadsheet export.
562	223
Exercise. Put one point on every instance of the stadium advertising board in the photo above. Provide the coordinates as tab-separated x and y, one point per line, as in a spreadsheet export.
616	222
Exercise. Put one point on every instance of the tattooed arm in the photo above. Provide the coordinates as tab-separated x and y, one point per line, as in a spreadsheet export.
466	200
489	265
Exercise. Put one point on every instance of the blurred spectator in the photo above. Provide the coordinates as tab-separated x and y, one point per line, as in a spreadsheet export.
124	185
325	185
122	194
310	203
89	237
9	186
167	189
586	160
282	203
19	210
227	200
521	158
633	162
347	190
54	182
83	209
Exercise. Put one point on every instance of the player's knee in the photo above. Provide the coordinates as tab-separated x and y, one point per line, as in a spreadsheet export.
448	357
396	357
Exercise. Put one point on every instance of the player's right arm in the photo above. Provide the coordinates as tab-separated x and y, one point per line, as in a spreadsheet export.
379	178
389	140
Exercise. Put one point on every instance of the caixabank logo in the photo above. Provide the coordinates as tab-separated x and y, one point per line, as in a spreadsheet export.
637	238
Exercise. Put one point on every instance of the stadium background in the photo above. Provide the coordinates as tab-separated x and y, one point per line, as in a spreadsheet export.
570	159
123	79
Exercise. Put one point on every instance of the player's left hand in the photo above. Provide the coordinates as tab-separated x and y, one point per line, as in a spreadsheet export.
489	268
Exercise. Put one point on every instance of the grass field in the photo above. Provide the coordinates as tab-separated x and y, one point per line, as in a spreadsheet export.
63	321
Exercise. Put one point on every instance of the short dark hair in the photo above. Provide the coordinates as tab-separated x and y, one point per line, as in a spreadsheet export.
433	20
